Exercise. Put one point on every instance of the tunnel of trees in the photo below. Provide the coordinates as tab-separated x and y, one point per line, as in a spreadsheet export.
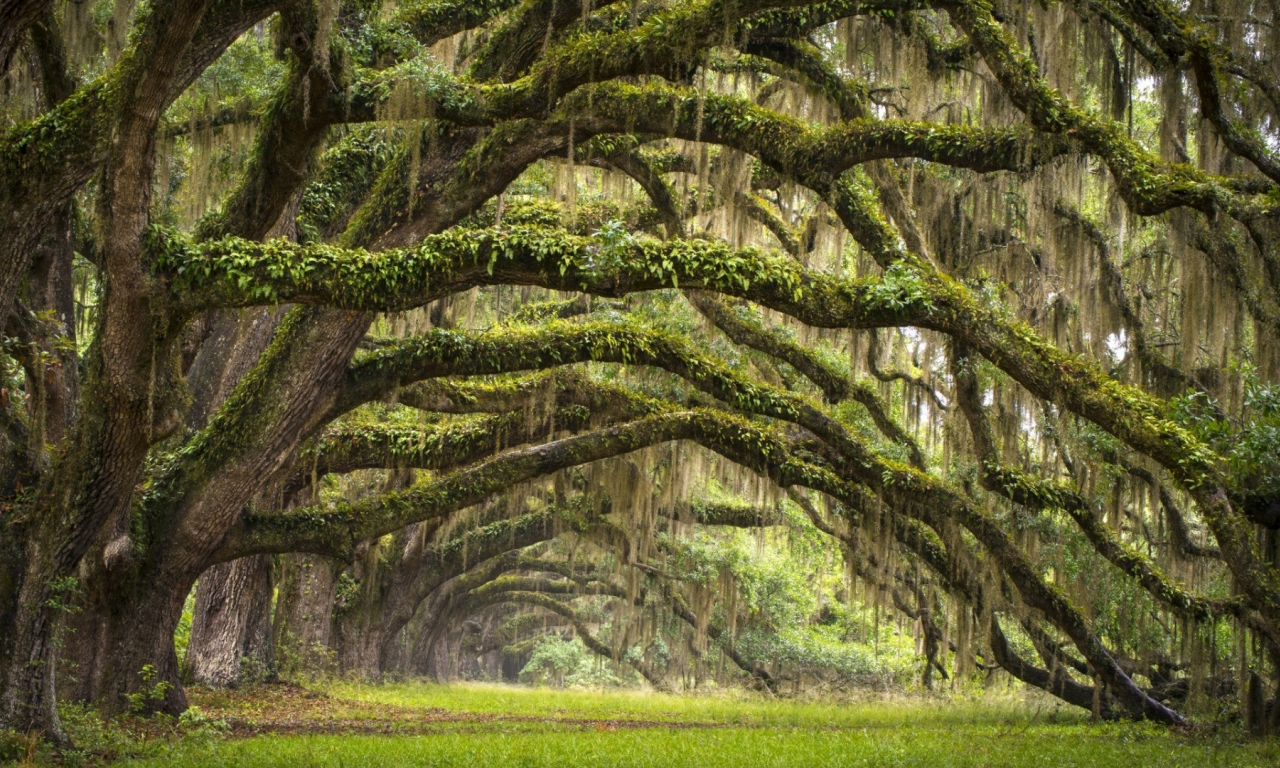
397	335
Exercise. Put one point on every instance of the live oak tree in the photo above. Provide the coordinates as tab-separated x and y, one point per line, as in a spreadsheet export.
989	290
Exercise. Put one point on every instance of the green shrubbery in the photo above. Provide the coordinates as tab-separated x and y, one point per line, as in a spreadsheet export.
564	663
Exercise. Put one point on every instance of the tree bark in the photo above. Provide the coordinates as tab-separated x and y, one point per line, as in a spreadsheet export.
16	17
303	623
50	293
142	672
95	481
231	627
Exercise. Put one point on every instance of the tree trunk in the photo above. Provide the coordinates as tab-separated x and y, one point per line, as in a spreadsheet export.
129	390
30	702
53	380
50	293
303	625
81	658
358	623
231	628
186	536
430	654
141	672
232	345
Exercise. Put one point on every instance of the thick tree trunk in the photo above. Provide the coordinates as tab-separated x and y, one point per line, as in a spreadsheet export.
430	656
16	17
82	658
53	381
50	293
303	625
358	624
55	388
117	650
231	347
30	701
215	484
186	536
231	627
109	571
96	479
142	673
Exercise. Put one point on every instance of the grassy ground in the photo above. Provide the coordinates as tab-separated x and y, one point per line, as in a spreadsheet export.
474	725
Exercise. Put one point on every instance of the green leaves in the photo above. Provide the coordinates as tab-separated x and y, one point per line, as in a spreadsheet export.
616	243
232	272
899	288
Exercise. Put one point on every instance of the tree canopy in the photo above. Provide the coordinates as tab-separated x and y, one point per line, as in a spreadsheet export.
539	311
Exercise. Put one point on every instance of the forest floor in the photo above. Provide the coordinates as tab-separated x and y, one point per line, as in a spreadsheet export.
418	724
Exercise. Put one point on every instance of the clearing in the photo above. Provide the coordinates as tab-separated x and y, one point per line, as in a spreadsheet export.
420	724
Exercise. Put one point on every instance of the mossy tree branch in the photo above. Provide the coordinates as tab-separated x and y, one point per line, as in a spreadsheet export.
1044	495
337	530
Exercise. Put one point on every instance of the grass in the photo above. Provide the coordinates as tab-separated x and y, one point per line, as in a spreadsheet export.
419	724
727	708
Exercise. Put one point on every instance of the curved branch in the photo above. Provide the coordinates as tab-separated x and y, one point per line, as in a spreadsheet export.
562	386
546	602
1143	181
1183	40
431	21
835	384
214	273
516	45
1058	682
336	530
1043	495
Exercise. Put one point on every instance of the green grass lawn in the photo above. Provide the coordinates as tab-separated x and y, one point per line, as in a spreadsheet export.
477	725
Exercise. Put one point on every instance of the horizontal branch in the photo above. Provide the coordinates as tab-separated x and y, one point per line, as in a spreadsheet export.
348	447
233	272
561	388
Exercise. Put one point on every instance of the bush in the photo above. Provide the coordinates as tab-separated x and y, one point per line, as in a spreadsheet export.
564	663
